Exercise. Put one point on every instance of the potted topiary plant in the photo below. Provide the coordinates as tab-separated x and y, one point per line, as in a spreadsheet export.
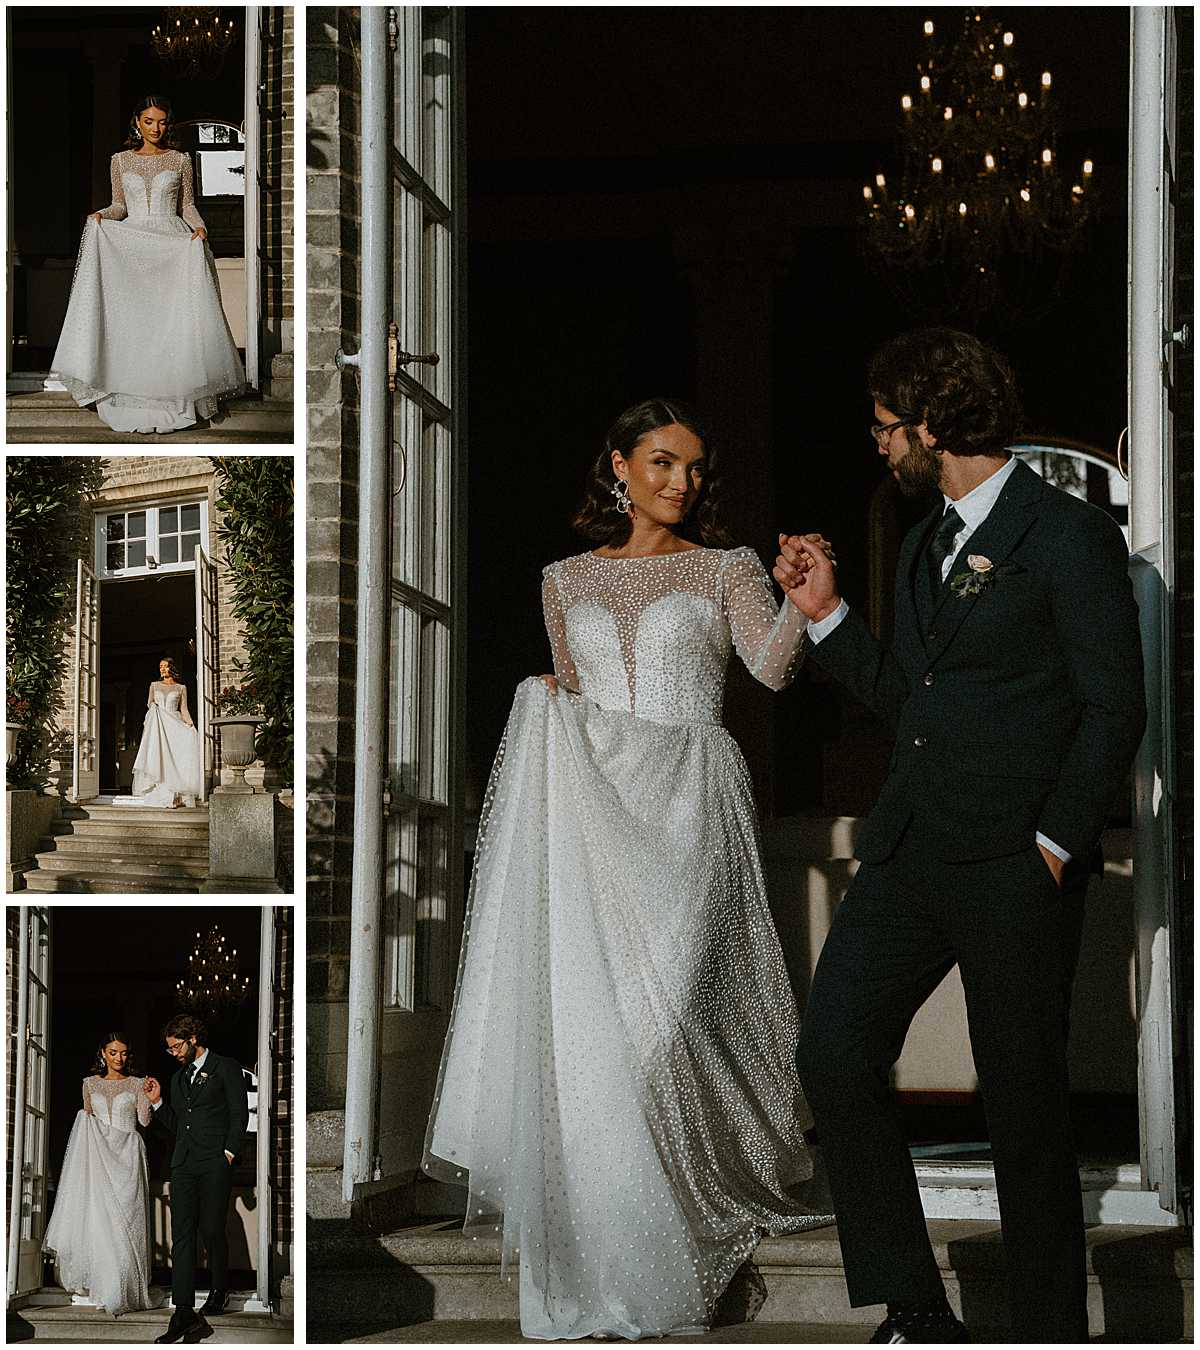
18	710
240	711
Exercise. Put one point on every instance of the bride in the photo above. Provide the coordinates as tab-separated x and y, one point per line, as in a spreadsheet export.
145	338
618	1088
99	1231
166	771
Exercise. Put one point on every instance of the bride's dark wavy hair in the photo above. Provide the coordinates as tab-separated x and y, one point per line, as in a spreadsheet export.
598	518
172	668
99	1068
133	138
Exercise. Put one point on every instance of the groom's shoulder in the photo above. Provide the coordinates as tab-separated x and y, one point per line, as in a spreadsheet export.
1067	520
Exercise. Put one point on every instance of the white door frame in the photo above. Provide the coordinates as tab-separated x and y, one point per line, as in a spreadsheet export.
251	187
85	728
27	1201
208	671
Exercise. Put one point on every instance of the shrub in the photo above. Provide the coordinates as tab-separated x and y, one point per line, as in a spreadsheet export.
256	502
44	527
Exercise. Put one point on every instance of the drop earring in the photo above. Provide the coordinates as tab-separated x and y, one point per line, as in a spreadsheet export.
620	490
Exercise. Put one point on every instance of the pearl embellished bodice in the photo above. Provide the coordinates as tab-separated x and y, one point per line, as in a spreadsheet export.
652	635
118	1102
146	186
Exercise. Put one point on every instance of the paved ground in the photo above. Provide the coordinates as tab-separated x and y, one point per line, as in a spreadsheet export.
508	1333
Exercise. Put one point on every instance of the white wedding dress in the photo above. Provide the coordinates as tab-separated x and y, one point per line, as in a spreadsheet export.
167	766
145	338
99	1233
618	1089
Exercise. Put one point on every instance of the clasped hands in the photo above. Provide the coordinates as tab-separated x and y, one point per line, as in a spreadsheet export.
806	570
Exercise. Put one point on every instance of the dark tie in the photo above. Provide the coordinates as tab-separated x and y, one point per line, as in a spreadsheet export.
941	544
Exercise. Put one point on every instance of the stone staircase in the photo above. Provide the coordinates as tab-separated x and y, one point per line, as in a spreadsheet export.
63	1321
430	1283
106	849
44	417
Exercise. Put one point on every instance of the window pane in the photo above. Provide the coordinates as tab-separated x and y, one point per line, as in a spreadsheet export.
434	728
406	644
136	522
116	527
168	520
432	911
188	548
168	548
137	553
116	557
189	518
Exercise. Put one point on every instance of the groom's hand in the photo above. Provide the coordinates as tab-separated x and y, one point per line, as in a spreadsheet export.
806	572
153	1090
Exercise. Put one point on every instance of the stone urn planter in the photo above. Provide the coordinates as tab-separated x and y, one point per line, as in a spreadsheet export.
11	731
237	747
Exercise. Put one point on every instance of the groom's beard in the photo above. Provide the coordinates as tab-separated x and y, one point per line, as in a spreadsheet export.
919	473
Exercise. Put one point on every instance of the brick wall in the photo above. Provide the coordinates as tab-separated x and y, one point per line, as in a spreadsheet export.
279	134
333	317
133	478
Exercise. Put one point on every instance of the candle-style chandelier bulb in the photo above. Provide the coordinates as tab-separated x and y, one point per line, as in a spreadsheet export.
1022	100
1045	79
1088	166
998	71
926	84
1008	39
928	27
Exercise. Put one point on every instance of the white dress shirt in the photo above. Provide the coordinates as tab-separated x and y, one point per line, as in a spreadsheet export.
974	509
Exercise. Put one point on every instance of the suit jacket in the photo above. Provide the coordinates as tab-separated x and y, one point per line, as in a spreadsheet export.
208	1118
1018	709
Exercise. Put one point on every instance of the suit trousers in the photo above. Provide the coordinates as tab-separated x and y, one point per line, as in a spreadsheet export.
200	1191
1014	935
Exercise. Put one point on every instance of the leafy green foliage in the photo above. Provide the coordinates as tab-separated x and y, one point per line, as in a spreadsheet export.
257	502
45	532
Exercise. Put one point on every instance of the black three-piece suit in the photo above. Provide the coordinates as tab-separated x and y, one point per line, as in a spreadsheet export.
1017	710
207	1118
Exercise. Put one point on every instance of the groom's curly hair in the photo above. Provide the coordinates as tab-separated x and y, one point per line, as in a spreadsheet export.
183	1026
964	392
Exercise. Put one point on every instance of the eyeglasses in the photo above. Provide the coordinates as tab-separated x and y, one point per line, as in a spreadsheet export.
882	432
176	1047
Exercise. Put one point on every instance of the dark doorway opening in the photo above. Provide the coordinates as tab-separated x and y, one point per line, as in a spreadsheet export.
117	969
141	621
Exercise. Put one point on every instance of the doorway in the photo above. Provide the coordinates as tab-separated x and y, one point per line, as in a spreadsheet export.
141	622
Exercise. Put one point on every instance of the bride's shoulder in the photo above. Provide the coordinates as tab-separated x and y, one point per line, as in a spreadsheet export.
575	560
739	553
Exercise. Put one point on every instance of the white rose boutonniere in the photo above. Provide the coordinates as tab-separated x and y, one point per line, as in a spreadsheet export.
983	574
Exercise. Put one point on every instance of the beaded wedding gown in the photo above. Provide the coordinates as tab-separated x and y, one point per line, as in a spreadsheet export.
167	766
145	338
618	1089
99	1230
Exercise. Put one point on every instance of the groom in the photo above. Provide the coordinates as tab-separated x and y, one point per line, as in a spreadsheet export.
1013	685
207	1115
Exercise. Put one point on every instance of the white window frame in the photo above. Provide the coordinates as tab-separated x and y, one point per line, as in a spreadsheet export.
185	563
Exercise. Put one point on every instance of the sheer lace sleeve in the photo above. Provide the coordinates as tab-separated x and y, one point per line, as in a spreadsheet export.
143	1103
150	696
183	707
187	202
116	210
556	631
87	1095
768	639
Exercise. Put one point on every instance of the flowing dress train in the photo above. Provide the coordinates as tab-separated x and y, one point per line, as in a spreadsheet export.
167	766
145	338
618	1089
99	1230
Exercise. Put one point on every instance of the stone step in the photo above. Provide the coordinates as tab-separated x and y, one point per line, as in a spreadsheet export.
46	416
131	866
480	1332
159	835
132	848
96	881
104	436
72	1322
1140	1279
172	816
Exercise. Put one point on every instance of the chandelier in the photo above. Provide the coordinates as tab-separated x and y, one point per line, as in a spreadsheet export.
192	42
985	219
212	987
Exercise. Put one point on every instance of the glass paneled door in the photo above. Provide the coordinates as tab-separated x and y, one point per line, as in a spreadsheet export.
29	1049
424	884
207	668
85	758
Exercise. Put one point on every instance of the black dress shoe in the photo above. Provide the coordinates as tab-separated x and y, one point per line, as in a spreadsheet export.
182	1319
920	1327
214	1303
198	1331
